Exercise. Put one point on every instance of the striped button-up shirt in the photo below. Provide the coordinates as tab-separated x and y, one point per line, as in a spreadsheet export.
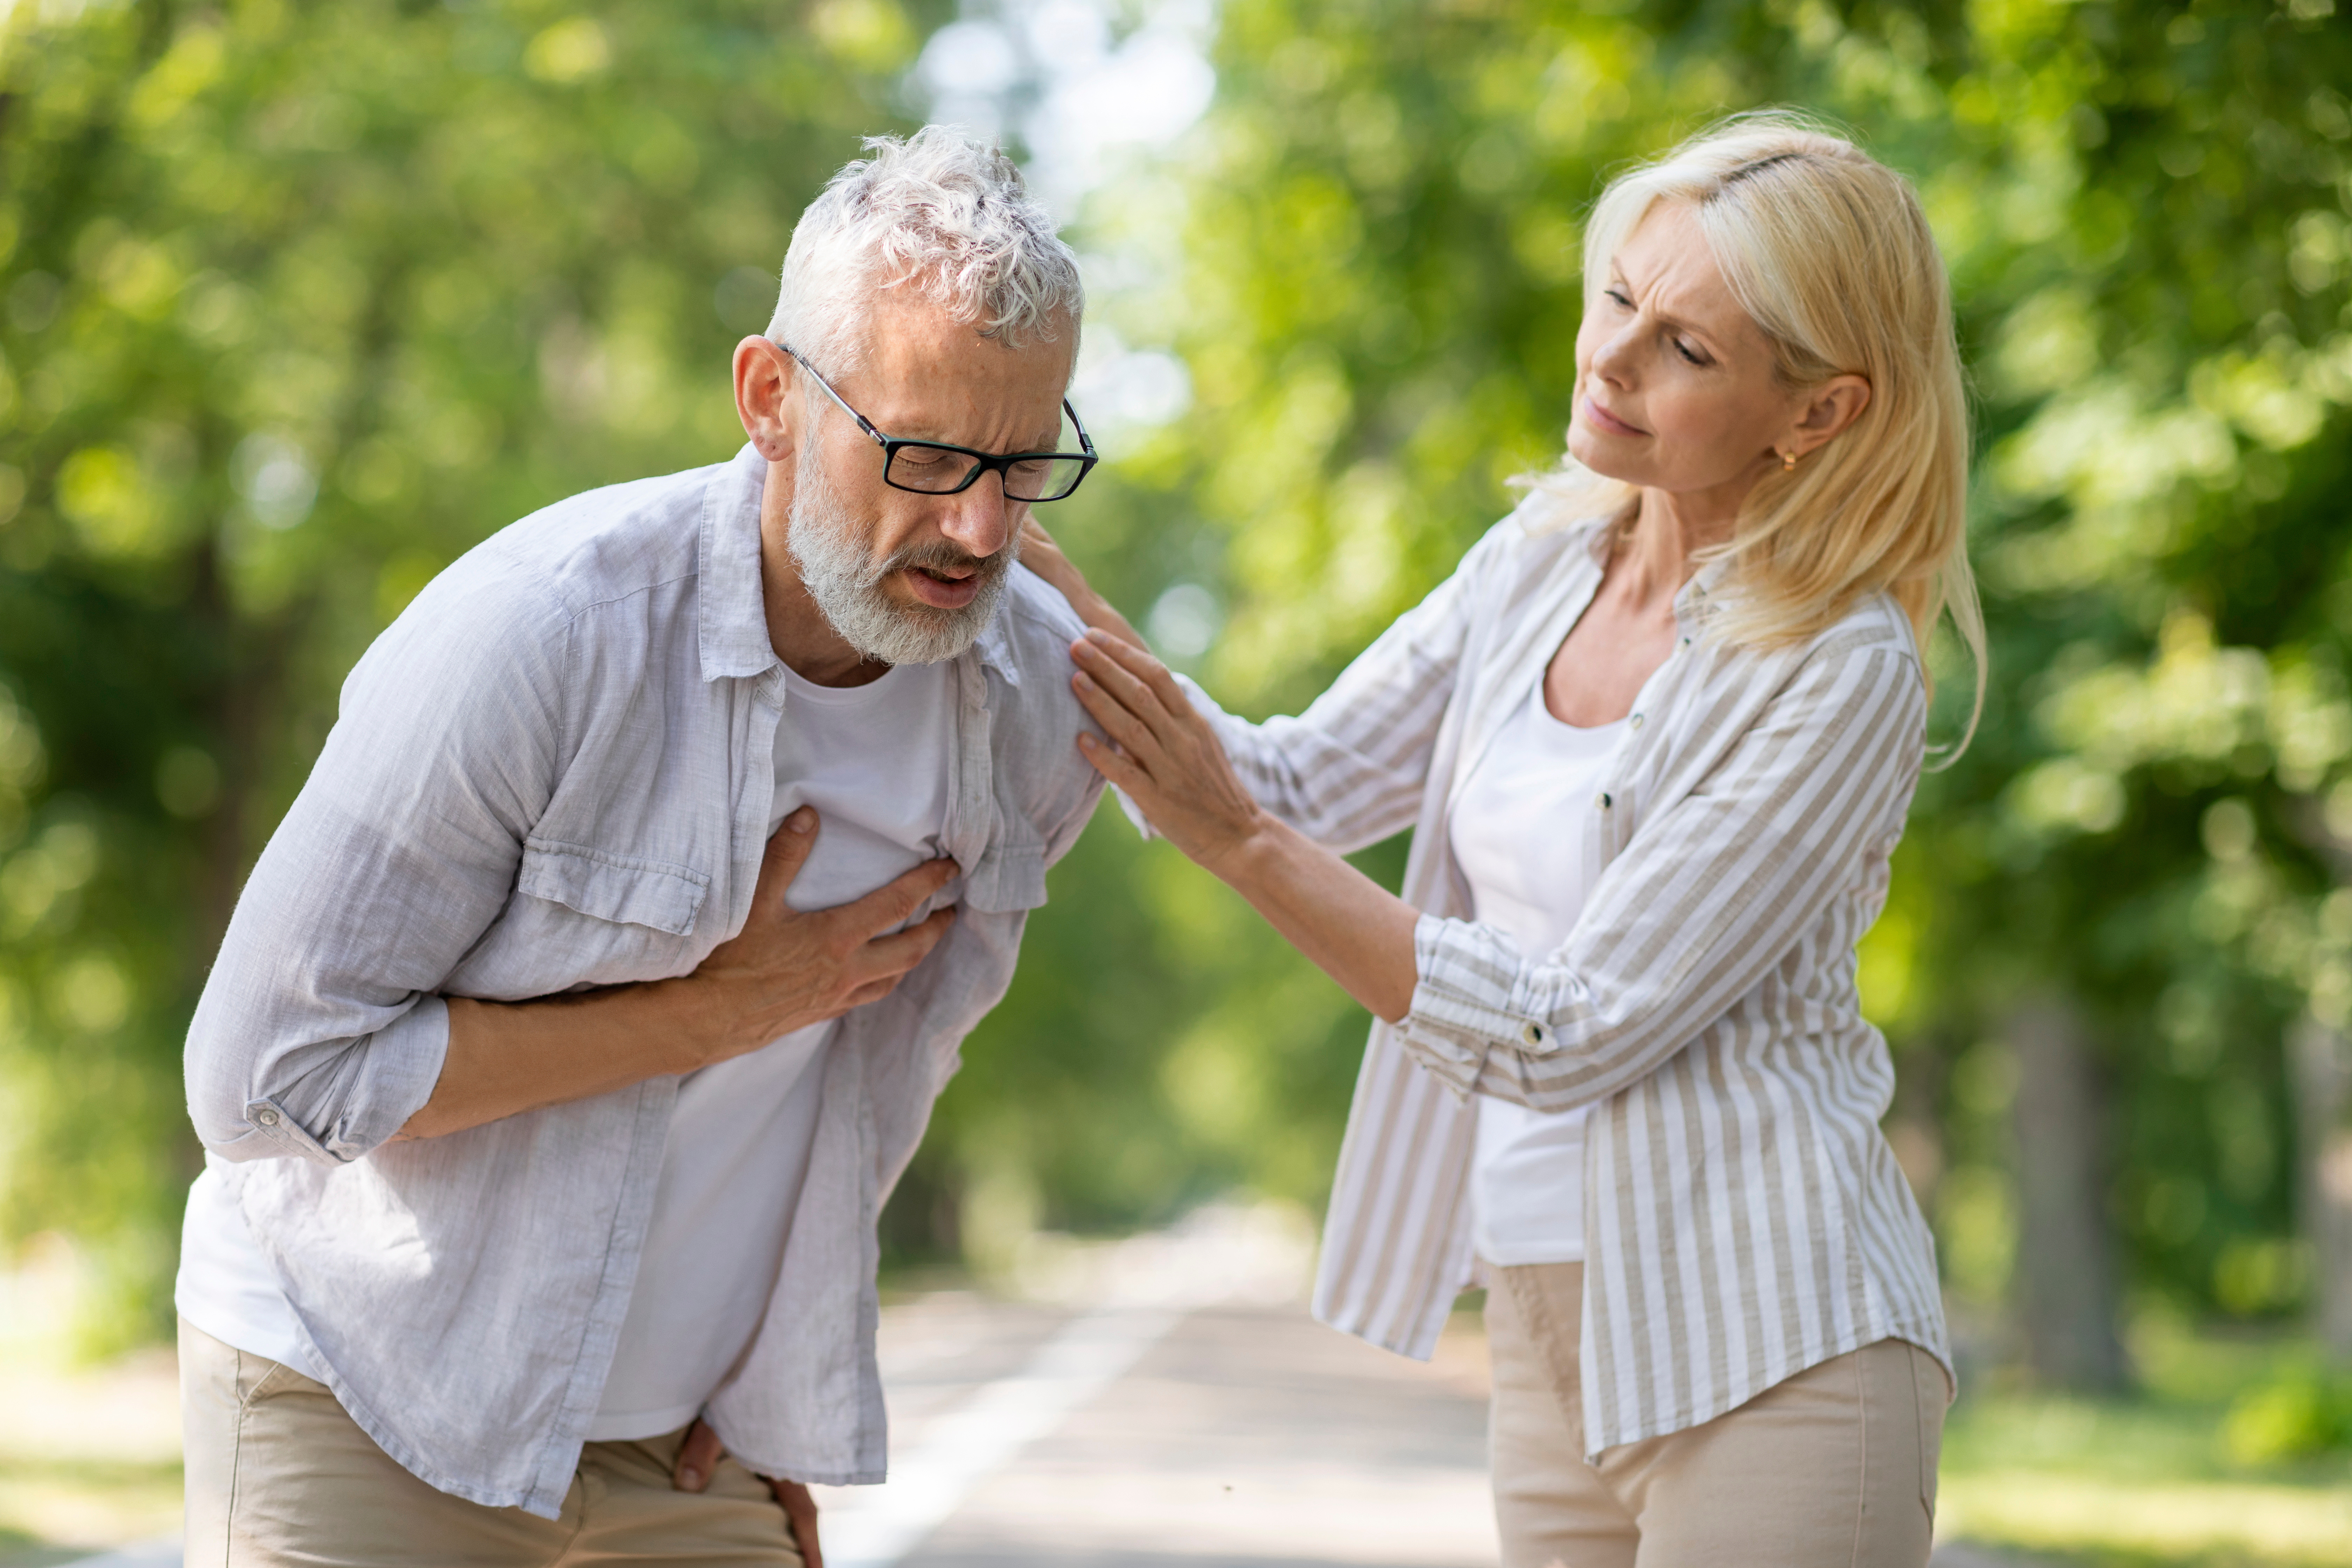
1744	1216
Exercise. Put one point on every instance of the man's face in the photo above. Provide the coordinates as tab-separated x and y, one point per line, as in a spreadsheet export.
904	577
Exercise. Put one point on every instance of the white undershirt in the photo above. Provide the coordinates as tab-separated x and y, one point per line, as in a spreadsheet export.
1518	835
874	760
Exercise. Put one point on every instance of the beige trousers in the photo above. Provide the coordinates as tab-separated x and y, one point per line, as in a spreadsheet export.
278	1476
1833	1468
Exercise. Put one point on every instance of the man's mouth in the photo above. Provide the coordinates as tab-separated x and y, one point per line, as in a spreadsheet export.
942	587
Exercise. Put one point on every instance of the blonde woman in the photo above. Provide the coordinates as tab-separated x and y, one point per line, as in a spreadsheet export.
1655	737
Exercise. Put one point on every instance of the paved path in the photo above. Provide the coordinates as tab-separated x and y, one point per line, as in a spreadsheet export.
1246	1438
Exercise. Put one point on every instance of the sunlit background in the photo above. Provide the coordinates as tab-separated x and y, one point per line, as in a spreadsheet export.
298	301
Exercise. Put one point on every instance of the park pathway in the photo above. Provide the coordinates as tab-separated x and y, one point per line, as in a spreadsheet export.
1141	1437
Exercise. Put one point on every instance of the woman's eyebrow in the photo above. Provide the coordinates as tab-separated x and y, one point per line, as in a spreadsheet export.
1709	340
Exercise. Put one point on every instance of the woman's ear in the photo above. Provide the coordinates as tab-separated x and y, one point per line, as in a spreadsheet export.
1828	409
765	377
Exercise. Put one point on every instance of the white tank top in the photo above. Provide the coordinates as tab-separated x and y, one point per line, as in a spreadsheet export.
1516	834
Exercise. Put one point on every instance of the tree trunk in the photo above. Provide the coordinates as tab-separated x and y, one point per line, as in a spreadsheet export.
2066	1291
2319	1066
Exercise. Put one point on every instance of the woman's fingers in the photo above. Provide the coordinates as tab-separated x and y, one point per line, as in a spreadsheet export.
1114	713
1120	771
1155	676
1094	658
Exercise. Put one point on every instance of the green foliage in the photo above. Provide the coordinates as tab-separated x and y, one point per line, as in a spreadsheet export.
2303	1410
296	305
2147	1481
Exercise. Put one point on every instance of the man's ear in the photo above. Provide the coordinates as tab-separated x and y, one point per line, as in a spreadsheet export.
765	379
1829	409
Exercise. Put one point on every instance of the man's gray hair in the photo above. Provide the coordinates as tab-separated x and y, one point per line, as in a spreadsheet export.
938	212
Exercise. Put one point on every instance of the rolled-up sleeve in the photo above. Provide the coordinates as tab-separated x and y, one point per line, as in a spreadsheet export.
1702	901
320	1032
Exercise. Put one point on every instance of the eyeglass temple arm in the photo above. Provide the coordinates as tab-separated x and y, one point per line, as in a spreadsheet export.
879	438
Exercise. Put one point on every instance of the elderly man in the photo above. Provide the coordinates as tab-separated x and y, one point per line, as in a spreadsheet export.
582	1011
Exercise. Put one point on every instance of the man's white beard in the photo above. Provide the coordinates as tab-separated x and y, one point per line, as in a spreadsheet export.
829	547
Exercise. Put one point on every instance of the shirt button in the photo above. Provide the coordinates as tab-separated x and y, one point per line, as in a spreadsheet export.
1601	800
1637	721
1532	1032
266	1115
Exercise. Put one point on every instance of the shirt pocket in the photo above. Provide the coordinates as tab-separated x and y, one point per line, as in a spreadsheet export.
621	890
1006	878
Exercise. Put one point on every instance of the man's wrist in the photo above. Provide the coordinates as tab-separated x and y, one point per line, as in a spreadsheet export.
683	1017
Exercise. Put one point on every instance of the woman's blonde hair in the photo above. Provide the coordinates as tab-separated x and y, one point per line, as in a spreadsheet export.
1828	251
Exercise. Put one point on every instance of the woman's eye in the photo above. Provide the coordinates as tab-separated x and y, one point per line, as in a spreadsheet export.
1688	352
1622	302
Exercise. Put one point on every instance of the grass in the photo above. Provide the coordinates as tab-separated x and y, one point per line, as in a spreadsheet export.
54	1512
90	1455
2146	1481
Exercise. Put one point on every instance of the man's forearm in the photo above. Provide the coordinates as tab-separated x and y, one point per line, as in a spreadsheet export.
505	1058
784	971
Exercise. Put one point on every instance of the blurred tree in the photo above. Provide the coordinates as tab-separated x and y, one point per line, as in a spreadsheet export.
296	304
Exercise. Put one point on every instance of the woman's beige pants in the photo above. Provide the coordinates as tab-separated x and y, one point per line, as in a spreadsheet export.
278	1476
1833	1468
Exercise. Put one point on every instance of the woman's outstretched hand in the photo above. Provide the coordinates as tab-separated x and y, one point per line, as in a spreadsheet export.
1165	756
1172	764
1043	556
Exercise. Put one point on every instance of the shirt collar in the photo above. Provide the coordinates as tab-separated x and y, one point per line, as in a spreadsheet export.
734	607
993	646
1696	601
733	604
1702	597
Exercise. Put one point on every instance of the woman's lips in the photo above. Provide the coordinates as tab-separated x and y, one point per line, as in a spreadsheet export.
1608	424
942	593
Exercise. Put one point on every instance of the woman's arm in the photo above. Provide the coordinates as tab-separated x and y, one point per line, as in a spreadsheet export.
1709	896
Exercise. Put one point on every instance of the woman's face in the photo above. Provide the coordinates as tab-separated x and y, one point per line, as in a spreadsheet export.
1674	384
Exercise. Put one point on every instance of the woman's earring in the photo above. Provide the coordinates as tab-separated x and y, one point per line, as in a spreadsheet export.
1788	462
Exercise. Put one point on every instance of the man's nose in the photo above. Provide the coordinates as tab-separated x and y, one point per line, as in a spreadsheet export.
979	519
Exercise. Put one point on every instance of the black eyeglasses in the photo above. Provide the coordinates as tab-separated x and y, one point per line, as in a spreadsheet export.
937	468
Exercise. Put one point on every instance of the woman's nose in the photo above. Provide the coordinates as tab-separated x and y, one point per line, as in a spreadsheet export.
1613	358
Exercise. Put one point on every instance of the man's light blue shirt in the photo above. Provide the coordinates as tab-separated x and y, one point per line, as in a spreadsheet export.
554	771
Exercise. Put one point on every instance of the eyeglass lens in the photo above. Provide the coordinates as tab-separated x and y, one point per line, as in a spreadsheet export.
938	469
